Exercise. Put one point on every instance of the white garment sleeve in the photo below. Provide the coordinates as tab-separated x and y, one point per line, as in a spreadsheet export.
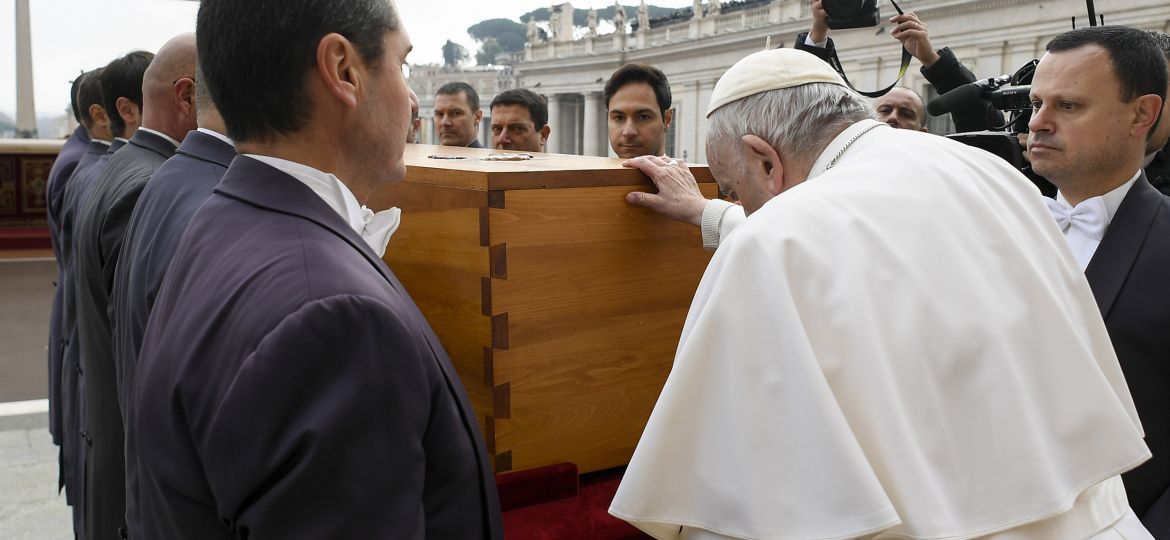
719	219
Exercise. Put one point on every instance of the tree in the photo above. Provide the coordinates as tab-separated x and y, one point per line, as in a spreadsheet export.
496	36
488	51
453	54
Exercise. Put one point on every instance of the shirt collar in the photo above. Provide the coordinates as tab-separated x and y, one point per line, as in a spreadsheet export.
374	228
101	141
217	135
160	134
839	143
1112	199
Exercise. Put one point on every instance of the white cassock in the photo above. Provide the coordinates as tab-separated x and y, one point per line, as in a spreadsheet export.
901	347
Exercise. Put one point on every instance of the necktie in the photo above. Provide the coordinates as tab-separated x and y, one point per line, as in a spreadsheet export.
1083	226
378	227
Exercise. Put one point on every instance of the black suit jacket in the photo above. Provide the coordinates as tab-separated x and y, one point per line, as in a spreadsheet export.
101	226
1158	171
288	387
474	144
1128	276
73	437
71	153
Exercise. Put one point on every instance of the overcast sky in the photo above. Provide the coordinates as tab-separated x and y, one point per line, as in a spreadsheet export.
69	36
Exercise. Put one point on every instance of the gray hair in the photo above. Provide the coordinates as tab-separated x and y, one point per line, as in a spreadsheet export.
797	121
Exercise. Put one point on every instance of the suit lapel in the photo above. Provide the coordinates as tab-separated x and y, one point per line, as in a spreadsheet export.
1122	243
264	186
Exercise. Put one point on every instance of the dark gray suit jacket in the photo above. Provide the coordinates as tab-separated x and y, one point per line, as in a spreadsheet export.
288	387
71	153
101	226
73	436
169	200
1128	276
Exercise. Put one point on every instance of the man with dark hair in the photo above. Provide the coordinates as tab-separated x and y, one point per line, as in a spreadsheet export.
1157	161
457	115
637	98
330	409
519	120
67	159
175	191
1096	96
166	114
122	91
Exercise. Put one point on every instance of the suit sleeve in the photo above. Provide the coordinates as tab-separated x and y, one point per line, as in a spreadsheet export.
824	53
947	74
321	432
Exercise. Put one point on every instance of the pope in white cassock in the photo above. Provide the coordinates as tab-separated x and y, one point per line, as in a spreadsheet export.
896	343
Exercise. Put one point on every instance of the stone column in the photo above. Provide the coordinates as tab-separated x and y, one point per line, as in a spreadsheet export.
554	121
26	114
593	123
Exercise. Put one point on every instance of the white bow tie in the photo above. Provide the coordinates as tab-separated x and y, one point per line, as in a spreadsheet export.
377	228
1088	216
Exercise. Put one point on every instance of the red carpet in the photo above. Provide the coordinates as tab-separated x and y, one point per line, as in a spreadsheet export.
25	238
551	503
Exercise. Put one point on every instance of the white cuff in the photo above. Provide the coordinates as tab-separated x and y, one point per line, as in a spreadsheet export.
712	222
820	44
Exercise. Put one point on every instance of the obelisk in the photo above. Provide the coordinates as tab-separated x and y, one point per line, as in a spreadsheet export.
26	112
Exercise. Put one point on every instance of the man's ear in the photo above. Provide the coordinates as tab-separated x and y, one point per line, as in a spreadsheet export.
337	67
544	131
1146	110
478	116
183	92
128	111
668	118
98	114
763	164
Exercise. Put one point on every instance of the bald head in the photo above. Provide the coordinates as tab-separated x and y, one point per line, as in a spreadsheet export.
901	108
168	88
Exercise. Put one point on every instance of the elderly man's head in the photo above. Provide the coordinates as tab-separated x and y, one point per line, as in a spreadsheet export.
1096	97
771	116
901	108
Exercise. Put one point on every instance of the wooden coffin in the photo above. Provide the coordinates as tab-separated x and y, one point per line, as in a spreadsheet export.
559	304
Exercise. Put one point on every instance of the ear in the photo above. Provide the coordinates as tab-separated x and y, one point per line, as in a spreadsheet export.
98	114
183	92
337	67
763	164
478	116
1146	110
666	120
544	131
128	111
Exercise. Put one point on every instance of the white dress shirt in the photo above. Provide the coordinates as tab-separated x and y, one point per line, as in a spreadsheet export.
1084	246
374	228
218	135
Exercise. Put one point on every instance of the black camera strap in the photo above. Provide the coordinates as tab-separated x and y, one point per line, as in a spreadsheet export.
906	56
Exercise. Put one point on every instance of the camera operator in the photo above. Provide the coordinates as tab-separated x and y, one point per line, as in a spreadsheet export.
941	68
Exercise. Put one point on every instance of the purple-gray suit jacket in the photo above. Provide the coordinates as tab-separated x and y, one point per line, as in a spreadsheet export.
288	387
